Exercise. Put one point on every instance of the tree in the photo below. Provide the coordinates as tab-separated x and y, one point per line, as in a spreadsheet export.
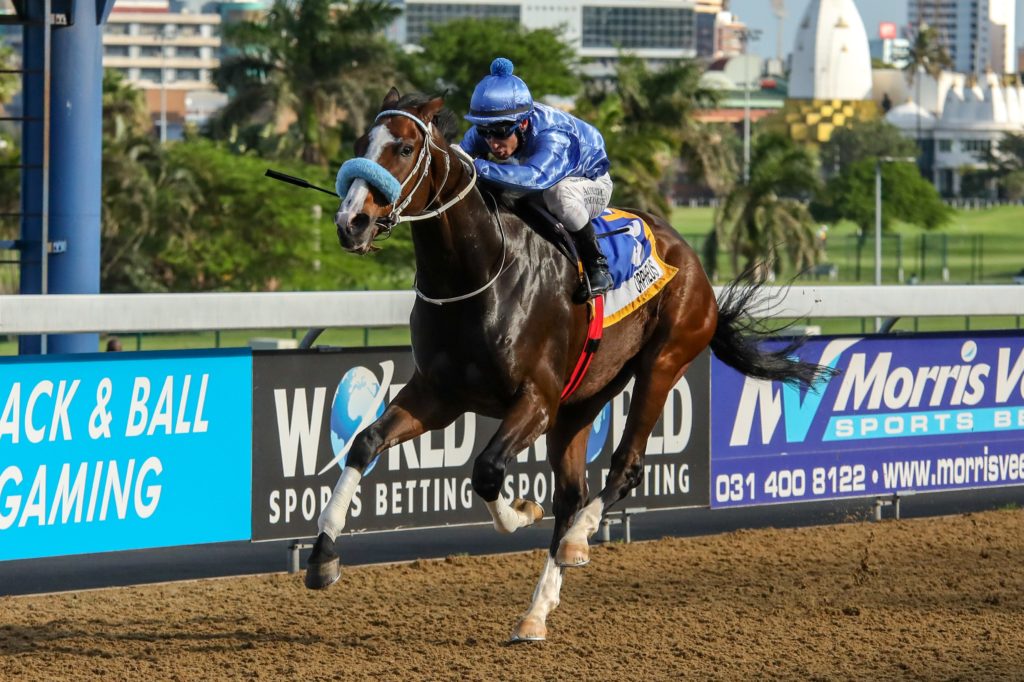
906	196
457	54
1004	166
309	68
129	219
648	122
769	216
10	154
927	55
10	84
864	140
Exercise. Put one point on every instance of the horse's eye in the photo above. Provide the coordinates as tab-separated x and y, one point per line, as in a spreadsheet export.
407	150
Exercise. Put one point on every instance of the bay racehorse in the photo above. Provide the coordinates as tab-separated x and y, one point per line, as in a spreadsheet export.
494	332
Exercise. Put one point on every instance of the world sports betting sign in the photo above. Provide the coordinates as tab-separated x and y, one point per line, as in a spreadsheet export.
117	451
308	406
922	412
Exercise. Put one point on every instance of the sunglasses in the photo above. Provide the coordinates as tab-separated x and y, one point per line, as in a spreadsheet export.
497	132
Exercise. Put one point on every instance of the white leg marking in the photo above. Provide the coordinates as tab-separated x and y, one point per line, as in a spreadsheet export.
506	519
532	626
545	595
585	524
332	518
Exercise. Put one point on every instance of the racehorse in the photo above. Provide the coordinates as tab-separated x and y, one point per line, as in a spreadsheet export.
494	331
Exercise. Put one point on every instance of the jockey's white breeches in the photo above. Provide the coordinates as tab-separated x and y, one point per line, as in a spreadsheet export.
576	201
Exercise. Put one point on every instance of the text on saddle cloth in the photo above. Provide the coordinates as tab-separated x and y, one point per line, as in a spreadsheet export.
638	272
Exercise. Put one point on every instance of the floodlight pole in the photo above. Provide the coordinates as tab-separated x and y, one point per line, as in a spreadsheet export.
878	218
746	36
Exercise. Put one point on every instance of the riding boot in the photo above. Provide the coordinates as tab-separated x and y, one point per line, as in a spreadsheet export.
594	263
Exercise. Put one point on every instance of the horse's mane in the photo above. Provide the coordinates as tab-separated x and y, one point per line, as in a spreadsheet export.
444	120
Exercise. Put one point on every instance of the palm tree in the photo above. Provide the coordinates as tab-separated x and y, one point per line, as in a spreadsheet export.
144	198
927	55
306	68
769	214
649	123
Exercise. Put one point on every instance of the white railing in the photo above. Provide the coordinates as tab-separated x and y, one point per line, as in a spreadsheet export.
221	311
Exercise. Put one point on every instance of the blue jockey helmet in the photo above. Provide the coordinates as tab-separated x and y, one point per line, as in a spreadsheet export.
500	97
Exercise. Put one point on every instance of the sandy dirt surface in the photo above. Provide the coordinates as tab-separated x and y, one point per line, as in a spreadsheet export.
931	599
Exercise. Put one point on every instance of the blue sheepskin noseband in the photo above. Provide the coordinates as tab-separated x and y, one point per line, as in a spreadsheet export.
371	171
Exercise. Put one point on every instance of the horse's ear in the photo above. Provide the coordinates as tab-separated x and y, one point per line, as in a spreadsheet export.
391	99
429	110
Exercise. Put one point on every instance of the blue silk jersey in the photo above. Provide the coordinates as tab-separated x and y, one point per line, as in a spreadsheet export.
555	146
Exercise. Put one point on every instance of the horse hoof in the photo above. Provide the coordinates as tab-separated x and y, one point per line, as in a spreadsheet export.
323	567
572	555
532	511
530	629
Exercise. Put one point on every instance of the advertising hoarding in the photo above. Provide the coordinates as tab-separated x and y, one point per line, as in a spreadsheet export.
308	405
115	451
907	413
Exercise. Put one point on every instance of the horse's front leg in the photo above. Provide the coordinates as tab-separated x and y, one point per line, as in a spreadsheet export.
528	418
412	413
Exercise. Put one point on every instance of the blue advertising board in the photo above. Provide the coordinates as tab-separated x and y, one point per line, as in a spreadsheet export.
913	413
117	451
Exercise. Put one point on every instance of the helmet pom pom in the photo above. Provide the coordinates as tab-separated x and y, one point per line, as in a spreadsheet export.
501	67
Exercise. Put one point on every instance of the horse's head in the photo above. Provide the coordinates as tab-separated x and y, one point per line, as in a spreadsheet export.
389	174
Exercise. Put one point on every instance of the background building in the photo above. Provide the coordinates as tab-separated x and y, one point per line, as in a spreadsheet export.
707	11
830	77
977	34
168	55
889	48
960	118
654	30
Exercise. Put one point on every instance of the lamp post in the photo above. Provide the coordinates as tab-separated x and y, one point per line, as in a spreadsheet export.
747	35
878	217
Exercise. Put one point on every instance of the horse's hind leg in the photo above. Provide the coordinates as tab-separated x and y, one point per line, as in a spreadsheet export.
413	412
653	382
567	449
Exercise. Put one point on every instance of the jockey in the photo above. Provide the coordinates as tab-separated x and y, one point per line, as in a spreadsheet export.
538	148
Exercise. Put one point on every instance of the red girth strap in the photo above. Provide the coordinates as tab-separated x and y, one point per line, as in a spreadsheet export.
595	311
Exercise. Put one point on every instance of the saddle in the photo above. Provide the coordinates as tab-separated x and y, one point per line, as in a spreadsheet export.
531	210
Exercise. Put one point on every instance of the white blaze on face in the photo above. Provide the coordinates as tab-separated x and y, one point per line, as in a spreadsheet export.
380	138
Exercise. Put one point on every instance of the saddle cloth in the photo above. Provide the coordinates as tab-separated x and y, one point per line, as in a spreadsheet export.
637	270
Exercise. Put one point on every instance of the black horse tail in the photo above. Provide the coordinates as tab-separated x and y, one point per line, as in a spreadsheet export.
738	336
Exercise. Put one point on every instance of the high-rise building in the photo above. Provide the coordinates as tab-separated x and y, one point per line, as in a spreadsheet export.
170	56
730	39
597	29
707	12
978	34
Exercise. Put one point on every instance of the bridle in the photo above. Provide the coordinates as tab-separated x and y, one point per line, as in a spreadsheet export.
421	169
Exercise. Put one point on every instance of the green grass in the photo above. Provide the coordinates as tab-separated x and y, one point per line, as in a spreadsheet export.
977	247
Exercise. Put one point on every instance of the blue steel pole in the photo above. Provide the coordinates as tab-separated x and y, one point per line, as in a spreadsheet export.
76	165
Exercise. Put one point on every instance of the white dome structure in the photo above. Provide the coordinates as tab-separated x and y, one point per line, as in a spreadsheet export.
910	117
988	105
831	58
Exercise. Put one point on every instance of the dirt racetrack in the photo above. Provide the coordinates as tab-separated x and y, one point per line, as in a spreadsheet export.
927	599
